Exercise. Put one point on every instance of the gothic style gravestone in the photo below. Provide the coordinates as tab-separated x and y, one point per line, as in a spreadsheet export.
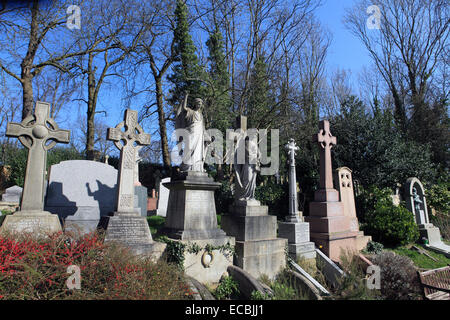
416	202
258	250
12	194
38	133
126	225
329	226
294	228
344	182
81	192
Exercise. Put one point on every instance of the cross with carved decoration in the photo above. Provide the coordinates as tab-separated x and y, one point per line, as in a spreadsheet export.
38	133
127	141
325	140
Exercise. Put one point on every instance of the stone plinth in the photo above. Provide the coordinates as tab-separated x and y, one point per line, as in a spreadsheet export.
37	223
207	266
297	234
191	211
132	231
258	250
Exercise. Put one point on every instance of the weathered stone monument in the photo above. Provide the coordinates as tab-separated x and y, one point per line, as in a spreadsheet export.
12	194
258	250
38	133
416	202
81	192
141	192
344	183
163	198
329	226
191	212
126	225
294	228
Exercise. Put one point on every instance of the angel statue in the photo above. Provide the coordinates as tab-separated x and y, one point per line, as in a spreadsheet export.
194	135
246	173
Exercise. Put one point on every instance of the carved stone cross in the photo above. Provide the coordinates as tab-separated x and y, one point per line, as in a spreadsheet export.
38	133
325	140
127	141
293	202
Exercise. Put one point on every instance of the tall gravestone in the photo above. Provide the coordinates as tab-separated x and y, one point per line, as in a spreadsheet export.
38	133
81	192
329	226
163	198
258	250
294	228
126	225
191	212
344	184
416	202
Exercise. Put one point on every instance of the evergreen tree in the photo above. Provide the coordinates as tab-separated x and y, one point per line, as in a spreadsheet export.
186	69
258	99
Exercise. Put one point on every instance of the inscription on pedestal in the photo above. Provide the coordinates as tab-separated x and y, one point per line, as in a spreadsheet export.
131	229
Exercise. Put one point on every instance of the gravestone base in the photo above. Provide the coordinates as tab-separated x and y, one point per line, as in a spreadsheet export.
258	250
205	266
297	234
336	244
261	257
191	211
362	240
39	223
430	232
132	230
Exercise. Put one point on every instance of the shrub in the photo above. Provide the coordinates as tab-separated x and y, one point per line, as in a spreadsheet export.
34	269
275	196
227	288
223	197
374	247
391	225
399	279
385	222
438	197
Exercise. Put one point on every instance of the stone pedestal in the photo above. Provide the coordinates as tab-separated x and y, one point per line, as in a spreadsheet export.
191	218
297	234
37	223
132	231
191	211
258	250
330	228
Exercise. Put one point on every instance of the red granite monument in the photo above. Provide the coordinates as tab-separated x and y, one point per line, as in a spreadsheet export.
330	228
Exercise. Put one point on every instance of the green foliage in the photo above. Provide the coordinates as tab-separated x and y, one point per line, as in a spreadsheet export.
227	288
438	197
223	197
275	196
399	279
186	69
374	247
174	251
371	198
391	225
258	99
371	145
155	223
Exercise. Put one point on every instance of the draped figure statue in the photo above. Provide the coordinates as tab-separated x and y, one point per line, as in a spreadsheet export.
246	172
194	136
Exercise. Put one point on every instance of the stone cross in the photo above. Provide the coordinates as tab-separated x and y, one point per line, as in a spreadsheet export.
38	133
127	141
293	202
325	140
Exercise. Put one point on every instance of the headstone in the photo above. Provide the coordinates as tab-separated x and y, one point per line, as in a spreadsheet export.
329	226
258	250
163	198
12	194
151	203
294	228
81	192
191	211
38	133
344	183
416	202
126	226
141	199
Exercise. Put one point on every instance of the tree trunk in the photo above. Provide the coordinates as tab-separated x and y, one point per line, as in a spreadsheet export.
162	122
27	91
90	113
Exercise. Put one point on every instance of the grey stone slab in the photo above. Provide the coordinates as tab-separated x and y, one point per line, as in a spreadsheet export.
163	198
12	194
294	232
81	191
142	195
250	227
